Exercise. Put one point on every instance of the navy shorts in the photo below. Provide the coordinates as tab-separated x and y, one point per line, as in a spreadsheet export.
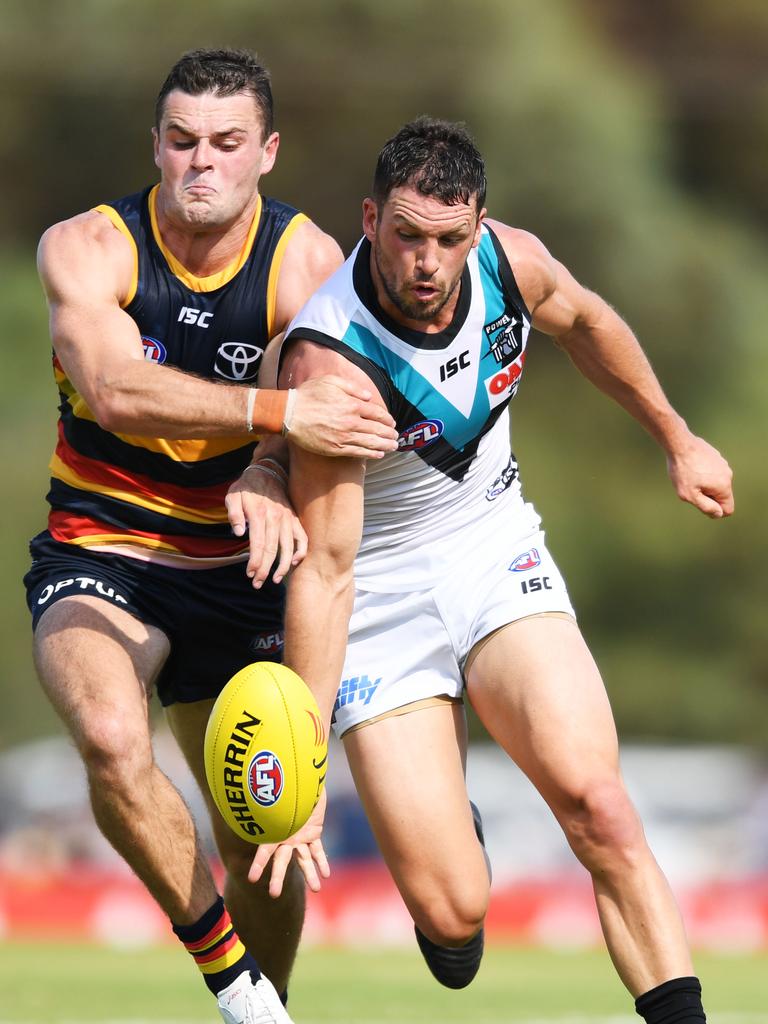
214	619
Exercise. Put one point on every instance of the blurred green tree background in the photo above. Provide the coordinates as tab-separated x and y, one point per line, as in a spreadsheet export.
632	138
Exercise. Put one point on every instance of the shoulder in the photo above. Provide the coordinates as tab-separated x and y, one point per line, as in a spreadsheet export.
534	267
310	258
85	248
315	250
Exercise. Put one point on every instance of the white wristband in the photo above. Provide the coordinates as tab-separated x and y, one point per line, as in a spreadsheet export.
252	392
290	402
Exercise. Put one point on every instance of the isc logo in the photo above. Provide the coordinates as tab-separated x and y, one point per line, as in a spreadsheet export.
419	435
188	315
265	778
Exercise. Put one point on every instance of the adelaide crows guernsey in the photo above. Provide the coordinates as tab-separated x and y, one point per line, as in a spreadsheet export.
453	483
148	494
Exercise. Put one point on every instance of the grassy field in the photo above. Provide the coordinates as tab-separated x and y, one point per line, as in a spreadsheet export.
46	984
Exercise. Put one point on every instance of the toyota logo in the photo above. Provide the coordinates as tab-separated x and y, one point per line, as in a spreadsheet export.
237	360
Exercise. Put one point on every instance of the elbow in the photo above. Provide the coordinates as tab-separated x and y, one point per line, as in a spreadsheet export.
107	410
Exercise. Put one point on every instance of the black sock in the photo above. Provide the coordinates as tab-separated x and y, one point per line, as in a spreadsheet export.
216	948
675	1002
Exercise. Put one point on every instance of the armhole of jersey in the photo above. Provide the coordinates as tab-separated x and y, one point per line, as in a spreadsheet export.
118	222
507	276
378	377
274	268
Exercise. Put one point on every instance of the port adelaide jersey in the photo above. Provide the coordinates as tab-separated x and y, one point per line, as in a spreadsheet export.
448	393
112	489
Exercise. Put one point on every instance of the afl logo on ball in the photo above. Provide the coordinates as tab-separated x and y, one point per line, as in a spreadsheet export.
154	350
420	435
265	778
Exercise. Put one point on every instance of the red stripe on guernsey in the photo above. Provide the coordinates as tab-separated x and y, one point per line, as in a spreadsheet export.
218	951
218	931
118	478
68	527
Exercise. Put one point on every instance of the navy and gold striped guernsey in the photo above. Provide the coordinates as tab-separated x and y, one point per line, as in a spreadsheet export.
111	489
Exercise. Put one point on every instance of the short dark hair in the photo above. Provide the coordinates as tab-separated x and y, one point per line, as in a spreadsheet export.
223	72
439	158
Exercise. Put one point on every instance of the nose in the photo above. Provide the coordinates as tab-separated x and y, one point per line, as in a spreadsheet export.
427	261
202	154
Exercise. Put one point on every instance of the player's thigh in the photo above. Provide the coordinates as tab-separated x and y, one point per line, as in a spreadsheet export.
409	773
187	722
97	663
536	688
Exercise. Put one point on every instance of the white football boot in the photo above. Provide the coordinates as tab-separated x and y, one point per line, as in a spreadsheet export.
244	1002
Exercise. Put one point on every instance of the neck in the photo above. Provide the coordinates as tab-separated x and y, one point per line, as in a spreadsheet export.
204	250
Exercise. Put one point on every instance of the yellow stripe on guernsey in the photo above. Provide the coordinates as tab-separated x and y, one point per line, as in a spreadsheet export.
203	284
217	514
229	958
122	227
274	269
178	450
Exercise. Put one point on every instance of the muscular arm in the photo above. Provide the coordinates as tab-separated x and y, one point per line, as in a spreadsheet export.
328	497
86	266
605	350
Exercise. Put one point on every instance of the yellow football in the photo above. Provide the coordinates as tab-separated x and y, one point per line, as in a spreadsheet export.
265	753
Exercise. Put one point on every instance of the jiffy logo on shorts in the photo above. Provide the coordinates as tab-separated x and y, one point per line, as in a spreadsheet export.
80	583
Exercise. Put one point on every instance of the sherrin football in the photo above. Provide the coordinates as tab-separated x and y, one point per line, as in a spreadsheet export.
265	753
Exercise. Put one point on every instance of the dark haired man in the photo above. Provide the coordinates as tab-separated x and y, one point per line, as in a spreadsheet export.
445	569
162	305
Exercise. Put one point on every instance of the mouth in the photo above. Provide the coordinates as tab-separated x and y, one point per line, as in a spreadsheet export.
199	190
425	292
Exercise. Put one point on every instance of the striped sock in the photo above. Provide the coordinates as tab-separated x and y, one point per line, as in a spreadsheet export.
216	948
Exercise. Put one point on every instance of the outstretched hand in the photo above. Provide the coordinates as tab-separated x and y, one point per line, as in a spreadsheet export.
305	846
332	416
257	500
702	477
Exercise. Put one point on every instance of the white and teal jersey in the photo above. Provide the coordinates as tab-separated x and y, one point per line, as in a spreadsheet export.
454	478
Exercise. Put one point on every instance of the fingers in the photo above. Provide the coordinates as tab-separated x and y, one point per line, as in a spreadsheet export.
260	861
300	542
281	858
234	506
285	548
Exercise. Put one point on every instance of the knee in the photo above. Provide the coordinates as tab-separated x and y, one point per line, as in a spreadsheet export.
452	920
603	827
115	756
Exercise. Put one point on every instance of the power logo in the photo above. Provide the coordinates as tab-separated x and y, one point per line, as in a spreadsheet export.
265	778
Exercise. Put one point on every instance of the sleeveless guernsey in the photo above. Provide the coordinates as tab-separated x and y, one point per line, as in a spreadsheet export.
110	489
453	483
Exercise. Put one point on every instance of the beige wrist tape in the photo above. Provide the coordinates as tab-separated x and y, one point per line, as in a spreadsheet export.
265	411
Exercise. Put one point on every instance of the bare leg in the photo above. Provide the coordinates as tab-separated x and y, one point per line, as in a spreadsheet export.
539	693
97	664
269	928
409	772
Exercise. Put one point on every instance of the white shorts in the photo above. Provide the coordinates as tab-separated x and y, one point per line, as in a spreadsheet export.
404	647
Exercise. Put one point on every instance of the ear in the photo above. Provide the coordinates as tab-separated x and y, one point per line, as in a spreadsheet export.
370	219
156	145
271	147
478	227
